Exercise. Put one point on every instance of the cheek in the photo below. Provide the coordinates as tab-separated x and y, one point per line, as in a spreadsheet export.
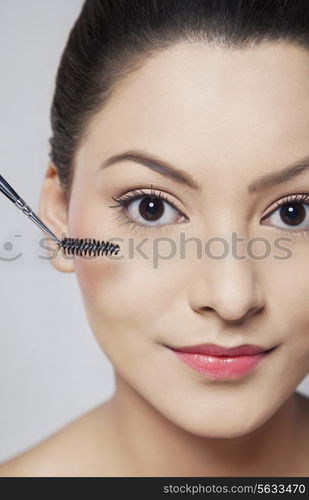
288	292
125	294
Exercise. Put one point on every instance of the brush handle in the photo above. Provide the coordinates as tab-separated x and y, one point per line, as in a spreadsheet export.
9	192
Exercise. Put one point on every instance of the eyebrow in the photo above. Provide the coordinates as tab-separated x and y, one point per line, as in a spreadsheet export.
289	172
156	164
166	169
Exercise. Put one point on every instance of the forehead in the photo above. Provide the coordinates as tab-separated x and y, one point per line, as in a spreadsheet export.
197	101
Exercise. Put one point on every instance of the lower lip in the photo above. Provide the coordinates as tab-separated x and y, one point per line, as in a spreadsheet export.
221	367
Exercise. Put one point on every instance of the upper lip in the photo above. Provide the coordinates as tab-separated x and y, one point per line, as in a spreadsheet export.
217	350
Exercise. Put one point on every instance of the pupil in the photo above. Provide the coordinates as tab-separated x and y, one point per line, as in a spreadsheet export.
293	213
151	208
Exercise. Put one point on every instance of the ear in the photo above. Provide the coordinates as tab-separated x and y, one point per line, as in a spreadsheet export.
53	212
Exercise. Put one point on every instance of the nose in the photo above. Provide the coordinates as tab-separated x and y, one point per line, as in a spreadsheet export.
228	287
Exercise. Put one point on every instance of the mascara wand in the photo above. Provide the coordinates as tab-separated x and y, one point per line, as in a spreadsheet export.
71	246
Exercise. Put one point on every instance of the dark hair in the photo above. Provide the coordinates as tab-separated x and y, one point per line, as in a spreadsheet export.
112	38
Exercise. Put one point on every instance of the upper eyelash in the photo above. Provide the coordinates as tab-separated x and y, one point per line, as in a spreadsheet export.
287	199
138	193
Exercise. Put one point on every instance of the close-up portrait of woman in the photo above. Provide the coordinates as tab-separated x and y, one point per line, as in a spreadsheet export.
180	142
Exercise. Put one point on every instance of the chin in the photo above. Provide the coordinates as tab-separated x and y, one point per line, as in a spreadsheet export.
217	431
215	427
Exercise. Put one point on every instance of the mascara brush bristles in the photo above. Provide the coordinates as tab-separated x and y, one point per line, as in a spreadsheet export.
90	246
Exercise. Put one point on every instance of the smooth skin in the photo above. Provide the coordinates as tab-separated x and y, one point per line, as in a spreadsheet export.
226	117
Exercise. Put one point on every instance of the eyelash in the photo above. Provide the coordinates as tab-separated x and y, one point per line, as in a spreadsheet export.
135	194
138	193
299	198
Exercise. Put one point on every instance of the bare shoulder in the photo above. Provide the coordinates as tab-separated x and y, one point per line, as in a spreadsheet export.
71	451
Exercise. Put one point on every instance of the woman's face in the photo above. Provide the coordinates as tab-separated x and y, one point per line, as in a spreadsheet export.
224	118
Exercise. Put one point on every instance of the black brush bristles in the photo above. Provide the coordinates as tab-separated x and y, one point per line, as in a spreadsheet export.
87	246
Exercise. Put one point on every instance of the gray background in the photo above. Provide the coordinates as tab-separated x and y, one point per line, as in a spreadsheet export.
51	368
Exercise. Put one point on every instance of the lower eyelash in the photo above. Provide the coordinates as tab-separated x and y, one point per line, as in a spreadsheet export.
304	233
134	225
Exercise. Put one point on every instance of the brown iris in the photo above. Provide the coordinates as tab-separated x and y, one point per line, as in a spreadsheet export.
293	213
151	208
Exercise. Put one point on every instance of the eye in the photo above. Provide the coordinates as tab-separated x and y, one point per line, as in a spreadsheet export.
291	214
148	210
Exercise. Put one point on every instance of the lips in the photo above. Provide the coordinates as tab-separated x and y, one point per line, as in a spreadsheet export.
216	350
222	362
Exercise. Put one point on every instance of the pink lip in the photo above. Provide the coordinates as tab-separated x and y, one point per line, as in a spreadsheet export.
220	362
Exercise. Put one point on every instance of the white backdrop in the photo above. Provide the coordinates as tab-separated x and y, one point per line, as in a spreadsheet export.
50	372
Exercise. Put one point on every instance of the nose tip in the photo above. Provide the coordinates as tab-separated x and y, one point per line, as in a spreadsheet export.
232	291
230	310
